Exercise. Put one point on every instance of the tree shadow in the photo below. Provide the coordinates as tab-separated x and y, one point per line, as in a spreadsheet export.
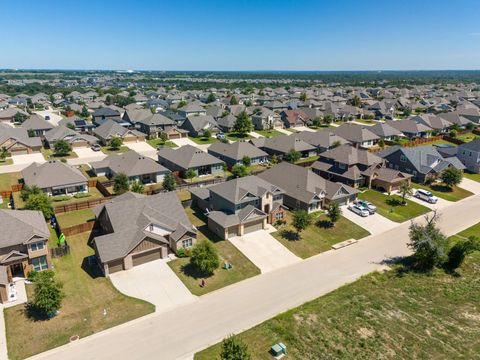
324	224
393	201
290	235
191	271
441	188
34	314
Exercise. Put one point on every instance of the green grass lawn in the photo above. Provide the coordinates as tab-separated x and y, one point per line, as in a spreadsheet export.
93	194
108	150
183	194
236	137
391	206
9	179
307	159
6	162
48	154
380	316
72	218
87	295
472	176
203	140
441	191
88	172
365	121
242	267
155	143
319	236
465	234
467	137
269	133
292	130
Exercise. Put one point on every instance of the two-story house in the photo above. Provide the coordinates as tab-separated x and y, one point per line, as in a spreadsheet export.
469	155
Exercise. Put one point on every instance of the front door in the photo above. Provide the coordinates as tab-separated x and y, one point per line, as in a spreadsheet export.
17	270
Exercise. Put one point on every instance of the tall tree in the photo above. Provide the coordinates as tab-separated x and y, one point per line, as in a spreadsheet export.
233	100
300	221
303	96
84	113
48	293
451	176
205	257
20	117
243	124
211	98
334	212
120	183
62	148
3	153
406	191
169	182
40	202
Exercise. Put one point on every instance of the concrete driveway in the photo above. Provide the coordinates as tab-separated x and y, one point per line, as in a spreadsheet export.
264	251
20	162
375	224
143	148
471	185
154	282
187	141
441	203
86	155
304	128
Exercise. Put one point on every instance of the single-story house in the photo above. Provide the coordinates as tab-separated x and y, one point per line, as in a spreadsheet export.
17	142
110	129
234	153
74	138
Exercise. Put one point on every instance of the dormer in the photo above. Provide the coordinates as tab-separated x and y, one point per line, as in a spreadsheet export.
157	229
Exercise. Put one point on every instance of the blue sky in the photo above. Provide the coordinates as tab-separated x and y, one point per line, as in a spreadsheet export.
240	34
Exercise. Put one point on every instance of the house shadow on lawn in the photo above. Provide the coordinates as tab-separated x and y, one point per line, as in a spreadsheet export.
91	267
204	227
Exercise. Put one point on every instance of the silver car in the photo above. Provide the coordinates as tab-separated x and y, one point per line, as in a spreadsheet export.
359	210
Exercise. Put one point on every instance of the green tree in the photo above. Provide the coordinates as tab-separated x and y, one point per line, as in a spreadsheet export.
47	293
292	156
137	187
62	148
40	202
303	96
274	159
453	133
233	100
181	104
317	122
428	243
300	221
20	117
120	183
190	174
336	144
381	143
239	170
115	143
71	126
405	191
334	212
460	250
31	133
328	119
234	349
3	153
205	257
207	133
169	182
211	98
84	113
29	190
406	111
246	161
355	101
243	124
451	176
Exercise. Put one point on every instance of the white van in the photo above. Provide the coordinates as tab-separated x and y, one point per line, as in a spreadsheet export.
426	196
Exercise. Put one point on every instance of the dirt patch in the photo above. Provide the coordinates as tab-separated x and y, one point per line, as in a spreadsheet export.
365	333
470	316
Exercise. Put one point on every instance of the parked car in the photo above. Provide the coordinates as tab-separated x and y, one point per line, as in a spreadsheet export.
96	147
359	210
372	209
426	196
221	136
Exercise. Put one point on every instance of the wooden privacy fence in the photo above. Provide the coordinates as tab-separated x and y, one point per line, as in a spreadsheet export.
81	205
77	229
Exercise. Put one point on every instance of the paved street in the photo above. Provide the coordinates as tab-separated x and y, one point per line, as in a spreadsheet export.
248	303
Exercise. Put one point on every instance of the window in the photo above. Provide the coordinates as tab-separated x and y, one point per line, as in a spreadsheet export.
40	263
187	243
279	216
37	246
277	197
341	166
403	158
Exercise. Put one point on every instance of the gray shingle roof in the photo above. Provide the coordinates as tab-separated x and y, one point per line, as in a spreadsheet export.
350	155
188	157
130	163
237	151
51	174
355	133
19	226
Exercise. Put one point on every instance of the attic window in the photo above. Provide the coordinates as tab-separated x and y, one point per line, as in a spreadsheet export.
403	158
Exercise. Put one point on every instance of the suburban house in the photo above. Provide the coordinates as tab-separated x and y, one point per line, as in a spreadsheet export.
437	123
110	129
133	229
306	190
345	164
156	124
226	123
322	140
358	135
191	110
134	115
8	115
187	157
104	114
234	153
240	206
74	138
196	125
17	142
266	119
412	129
385	179
455	118
77	124
36	125
137	167
422	162
385	131
281	145
23	248
295	117
55	178
469	155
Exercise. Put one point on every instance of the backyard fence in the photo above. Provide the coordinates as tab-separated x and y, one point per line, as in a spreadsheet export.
81	205
77	229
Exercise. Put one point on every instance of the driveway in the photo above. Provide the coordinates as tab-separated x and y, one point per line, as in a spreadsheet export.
441	203
375	224
470	185
143	148
154	282
255	135
304	128
187	141
20	162
264	251
85	156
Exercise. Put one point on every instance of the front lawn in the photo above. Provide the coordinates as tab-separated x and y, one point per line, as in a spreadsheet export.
379	316
203	140
155	143
307	159
9	179
6	162
242	267
108	150
319	236
49	154
441	191
236	137
391	206
88	294
269	133
472	176
72	218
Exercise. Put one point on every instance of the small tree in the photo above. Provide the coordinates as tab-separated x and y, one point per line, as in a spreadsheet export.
169	182
233	100
40	202
137	187
48	293
29	190
406	191
274	159
239	170
3	153
336	144
460	250
120	183
205	257
246	160
115	143
300	221
71	126
292	156
451	176
190	174
243	124
234	349
84	113
303	96
19	117
211	98
62	148
453	133
381	143
207	133
334	213
428	243
328	119
316	122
